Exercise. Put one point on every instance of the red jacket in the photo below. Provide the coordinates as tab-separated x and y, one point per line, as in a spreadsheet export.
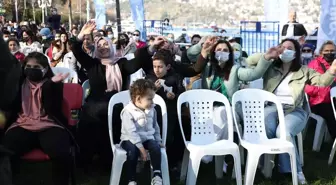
140	44
317	94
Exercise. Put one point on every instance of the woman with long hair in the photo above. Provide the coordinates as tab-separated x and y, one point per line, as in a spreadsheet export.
287	78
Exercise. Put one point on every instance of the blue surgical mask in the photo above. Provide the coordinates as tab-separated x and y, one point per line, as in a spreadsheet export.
222	57
287	56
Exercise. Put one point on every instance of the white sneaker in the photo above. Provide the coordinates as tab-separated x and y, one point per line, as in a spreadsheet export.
301	178
157	180
132	183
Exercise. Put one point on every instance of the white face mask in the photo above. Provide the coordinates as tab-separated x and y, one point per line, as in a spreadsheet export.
307	55
5	39
222	57
44	37
287	56
110	36
136	38
237	54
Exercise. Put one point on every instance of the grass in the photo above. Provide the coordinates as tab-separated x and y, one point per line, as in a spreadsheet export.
316	170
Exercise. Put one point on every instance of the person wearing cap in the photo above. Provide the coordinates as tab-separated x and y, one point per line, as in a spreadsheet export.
47	38
307	53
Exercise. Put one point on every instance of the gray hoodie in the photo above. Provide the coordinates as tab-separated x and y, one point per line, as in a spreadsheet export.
139	126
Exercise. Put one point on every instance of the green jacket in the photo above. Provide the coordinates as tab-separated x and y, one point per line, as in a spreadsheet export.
300	78
237	74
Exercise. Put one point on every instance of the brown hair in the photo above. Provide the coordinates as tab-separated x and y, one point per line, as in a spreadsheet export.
140	88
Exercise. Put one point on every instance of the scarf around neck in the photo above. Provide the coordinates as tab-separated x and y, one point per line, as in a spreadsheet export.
113	73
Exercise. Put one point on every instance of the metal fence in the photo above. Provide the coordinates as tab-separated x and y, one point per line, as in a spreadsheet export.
153	27
259	36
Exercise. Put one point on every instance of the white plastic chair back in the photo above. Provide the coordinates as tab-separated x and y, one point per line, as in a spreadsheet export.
332	96
257	84
86	90
253	105
200	103
124	98
306	105
72	74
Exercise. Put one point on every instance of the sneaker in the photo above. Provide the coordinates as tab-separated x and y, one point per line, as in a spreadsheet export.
157	180
132	183
301	178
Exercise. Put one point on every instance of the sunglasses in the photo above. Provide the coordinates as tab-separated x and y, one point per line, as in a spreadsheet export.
135	34
306	50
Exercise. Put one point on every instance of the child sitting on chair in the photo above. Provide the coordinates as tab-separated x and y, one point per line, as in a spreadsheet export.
140	130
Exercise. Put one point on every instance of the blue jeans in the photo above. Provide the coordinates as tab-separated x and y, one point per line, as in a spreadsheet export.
133	154
295	123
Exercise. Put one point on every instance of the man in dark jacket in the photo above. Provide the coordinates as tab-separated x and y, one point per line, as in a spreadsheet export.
293	28
55	19
10	72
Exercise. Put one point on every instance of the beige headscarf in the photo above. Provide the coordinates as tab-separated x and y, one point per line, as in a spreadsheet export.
113	73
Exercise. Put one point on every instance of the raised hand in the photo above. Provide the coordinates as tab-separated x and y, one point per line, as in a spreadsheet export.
273	53
208	45
88	28
159	41
59	77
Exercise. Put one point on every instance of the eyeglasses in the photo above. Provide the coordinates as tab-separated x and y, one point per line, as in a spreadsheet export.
306	50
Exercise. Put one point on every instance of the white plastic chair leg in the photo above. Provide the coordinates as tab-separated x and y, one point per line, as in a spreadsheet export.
164	167
117	166
327	136
193	167
292	156
184	167
320	131
237	168
219	163
268	165
300	148
332	153
251	167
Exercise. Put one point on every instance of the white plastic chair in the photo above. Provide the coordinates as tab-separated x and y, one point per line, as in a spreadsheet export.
86	90
320	129
119	154
258	84
254	138
73	77
333	149
203	140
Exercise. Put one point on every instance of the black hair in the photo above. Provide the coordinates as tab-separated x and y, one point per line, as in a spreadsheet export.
123	40
222	72
104	33
140	88
196	36
13	39
30	34
296	63
40	59
5	32
164	55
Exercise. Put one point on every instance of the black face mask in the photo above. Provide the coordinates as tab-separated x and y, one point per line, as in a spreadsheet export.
25	39
34	75
329	57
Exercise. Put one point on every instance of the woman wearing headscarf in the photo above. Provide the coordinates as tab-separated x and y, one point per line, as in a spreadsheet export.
108	75
238	54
